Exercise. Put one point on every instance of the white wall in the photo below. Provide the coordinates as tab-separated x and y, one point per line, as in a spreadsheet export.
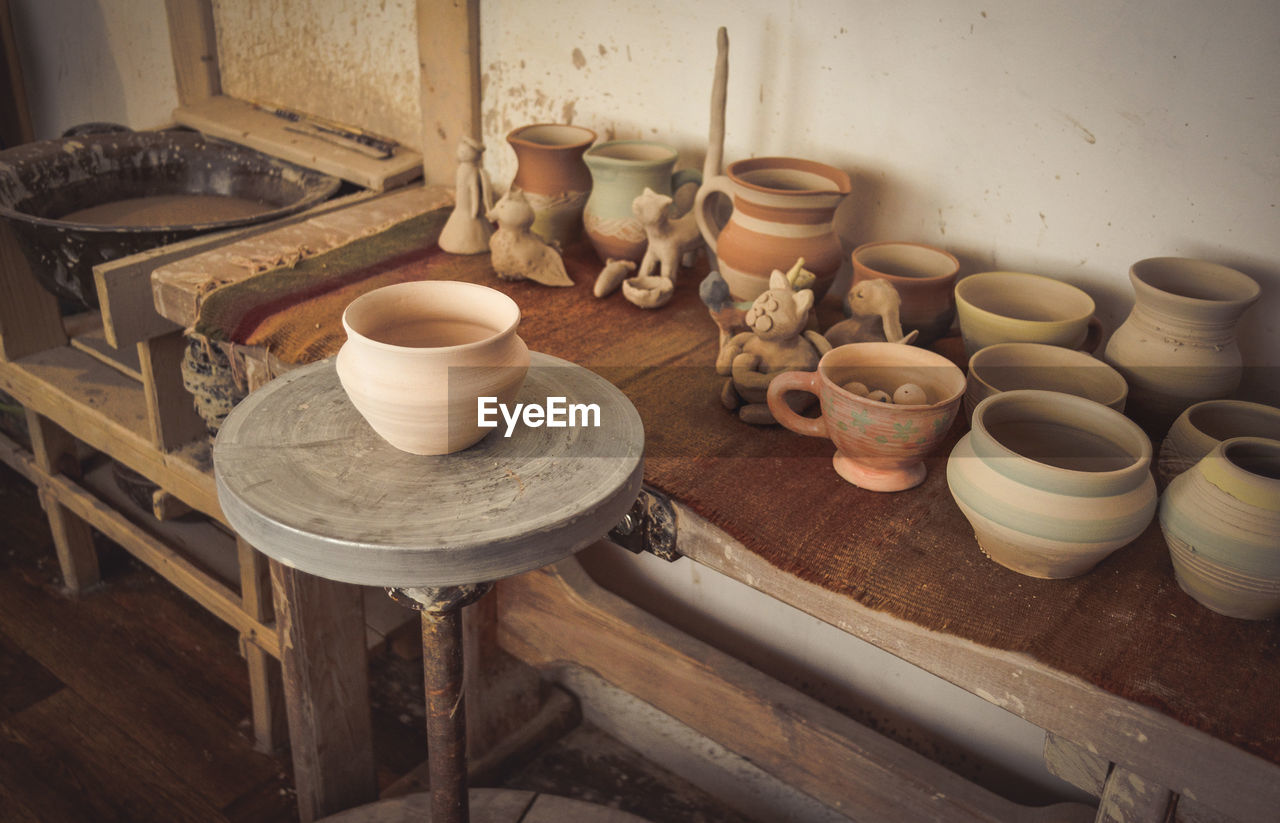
1065	138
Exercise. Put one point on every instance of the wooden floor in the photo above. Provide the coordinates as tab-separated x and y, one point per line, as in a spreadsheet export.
130	704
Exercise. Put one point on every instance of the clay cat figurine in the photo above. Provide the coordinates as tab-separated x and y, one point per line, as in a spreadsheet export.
668	239
776	343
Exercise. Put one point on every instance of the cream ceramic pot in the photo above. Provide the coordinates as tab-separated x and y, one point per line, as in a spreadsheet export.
1052	483
1014	307
418	356
1206	424
1178	345
1009	366
1221	520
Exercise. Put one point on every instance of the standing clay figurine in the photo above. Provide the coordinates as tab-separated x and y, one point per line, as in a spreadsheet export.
873	316
518	253
776	343
467	230
669	239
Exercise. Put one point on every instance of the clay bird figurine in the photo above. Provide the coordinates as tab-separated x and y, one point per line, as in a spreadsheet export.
872	306
518	253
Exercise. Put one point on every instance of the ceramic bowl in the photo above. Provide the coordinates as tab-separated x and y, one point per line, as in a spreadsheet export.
1013	307
1009	366
879	446
1221	521
418	356
924	278
1052	483
1206	424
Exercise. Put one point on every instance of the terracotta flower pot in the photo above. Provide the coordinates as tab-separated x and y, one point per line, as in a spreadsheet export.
782	210
1221	519
1052	483
555	180
418	355
924	277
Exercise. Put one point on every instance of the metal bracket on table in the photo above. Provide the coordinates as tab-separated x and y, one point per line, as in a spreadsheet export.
650	526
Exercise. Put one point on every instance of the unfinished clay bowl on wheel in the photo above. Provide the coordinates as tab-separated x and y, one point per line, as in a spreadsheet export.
1206	424
1052	483
1221	520
880	445
418	355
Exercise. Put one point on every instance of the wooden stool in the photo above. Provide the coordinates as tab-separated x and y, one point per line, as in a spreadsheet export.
303	478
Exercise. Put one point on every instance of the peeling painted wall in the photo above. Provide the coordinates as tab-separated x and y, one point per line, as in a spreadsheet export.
1068	139
354	61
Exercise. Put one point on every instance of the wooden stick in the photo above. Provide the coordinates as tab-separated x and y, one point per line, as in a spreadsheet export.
711	166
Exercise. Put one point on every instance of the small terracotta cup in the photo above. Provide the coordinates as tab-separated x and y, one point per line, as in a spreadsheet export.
1012	366
924	277
879	446
1013	307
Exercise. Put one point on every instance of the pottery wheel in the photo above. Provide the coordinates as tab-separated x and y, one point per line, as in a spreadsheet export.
304	479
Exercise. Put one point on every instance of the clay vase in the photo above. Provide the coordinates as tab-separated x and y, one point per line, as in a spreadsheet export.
1206	424
1052	483
880	446
924	277
1221	520
782	211
551	173
419	354
1178	345
620	171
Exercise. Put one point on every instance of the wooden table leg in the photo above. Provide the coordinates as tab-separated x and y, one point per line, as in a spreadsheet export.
326	688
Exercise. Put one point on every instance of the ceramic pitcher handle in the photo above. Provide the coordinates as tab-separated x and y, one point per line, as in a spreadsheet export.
701	208
809	381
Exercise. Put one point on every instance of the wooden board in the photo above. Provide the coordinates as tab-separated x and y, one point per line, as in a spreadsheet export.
449	61
305	480
124	286
194	45
94	343
179	287
242	122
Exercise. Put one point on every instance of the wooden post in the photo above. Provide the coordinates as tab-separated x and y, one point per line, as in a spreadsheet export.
195	49
266	689
326	689
449	61
54	450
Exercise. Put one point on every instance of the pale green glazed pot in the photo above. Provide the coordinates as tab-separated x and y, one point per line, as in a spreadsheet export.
1052	483
620	172
1221	520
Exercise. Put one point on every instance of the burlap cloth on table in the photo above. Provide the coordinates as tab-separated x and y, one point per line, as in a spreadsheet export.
1125	626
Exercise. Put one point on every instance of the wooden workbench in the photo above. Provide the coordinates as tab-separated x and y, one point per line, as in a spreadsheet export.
1147	699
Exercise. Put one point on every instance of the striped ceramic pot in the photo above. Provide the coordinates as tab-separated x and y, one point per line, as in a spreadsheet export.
782	210
1221	520
1052	483
1206	424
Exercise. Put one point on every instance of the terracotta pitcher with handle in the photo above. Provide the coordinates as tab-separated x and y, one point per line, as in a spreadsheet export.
782	210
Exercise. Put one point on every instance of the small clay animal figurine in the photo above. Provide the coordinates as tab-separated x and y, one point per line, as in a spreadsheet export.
612	275
872	306
467	230
518	253
669	239
777	342
728	314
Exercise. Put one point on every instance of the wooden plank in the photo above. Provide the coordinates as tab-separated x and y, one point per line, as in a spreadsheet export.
1076	765
124	286
244	123
179	287
29	317
171	414
1131	798
266	688
449	61
61	755
559	614
193	41
23	681
108	412
326	691
1185	760
93	342
55	455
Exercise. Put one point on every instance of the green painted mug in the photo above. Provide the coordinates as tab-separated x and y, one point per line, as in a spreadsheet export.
620	172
